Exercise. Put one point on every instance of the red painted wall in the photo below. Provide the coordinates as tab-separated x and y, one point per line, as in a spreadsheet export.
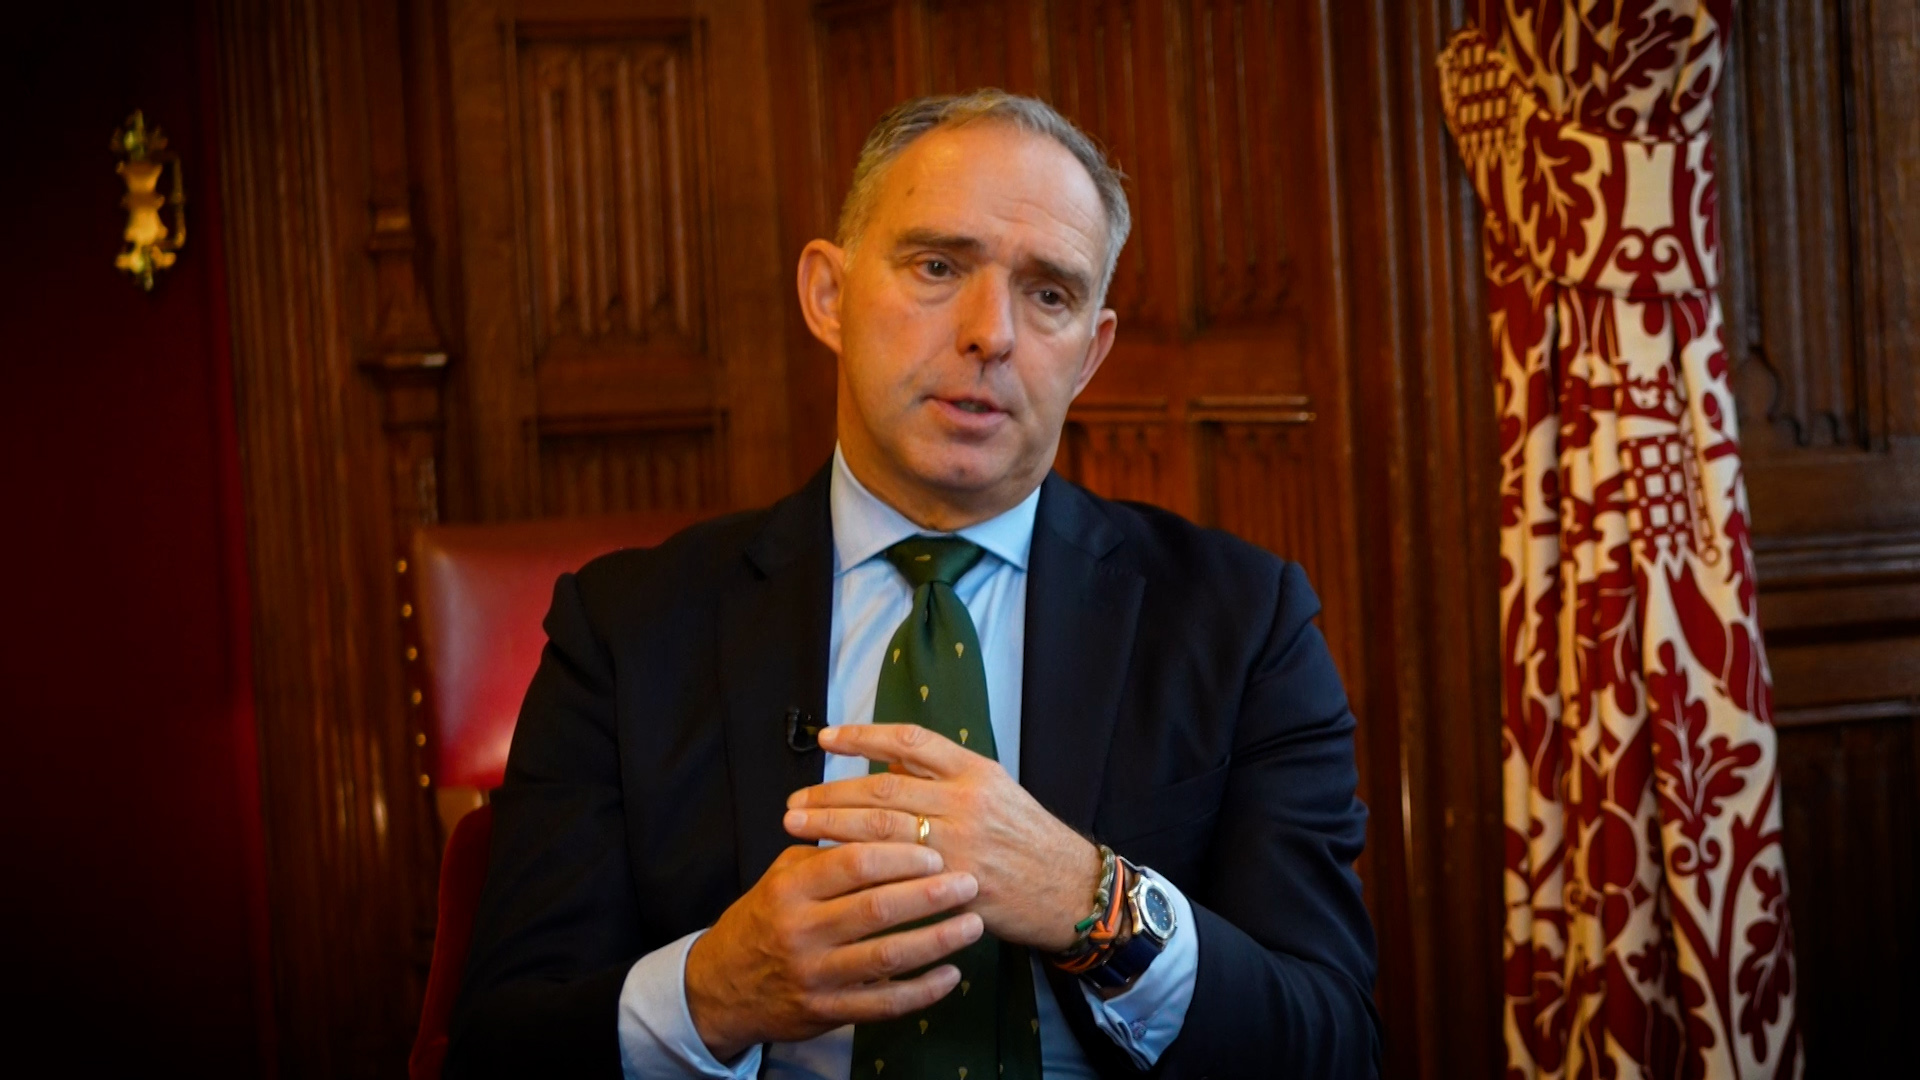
132	906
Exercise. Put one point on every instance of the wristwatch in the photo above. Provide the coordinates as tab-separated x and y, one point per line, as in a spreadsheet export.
1150	923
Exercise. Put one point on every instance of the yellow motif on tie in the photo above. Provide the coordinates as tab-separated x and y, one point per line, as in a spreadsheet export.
879	1066
964	987
959	649
963	736
1035	1023
923	558
896	656
963	1072
923	693
923	1026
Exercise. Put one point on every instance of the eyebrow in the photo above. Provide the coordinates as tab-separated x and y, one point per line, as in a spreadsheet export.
1075	281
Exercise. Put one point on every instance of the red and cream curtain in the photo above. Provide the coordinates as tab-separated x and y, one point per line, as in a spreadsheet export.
1646	894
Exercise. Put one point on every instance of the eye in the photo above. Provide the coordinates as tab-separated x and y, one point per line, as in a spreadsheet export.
936	268
1052	298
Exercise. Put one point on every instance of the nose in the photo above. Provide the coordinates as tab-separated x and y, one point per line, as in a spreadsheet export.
986	331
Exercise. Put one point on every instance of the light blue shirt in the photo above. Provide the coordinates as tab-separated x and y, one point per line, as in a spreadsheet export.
870	600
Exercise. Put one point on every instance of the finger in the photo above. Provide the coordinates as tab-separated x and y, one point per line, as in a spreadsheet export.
852	826
924	752
891	954
883	1001
888	789
840	870
871	911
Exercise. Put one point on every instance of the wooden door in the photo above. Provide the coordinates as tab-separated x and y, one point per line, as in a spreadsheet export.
621	282
1223	398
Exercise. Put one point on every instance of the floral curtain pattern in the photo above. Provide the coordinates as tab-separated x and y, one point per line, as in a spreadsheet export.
1647	932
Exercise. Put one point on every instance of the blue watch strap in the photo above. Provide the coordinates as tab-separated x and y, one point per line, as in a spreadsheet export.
1126	963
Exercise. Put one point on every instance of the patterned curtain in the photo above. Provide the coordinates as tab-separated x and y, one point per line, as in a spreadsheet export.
1646	896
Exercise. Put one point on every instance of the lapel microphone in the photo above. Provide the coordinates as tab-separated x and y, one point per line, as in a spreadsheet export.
803	735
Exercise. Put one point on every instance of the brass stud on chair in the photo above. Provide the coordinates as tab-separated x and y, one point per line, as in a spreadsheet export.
412	653
414	698
425	780
400	567
419	738
406	611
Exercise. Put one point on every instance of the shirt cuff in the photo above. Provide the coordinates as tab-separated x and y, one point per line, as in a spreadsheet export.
1146	1019
657	1036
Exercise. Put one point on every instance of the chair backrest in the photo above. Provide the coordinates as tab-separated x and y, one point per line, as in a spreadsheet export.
463	871
480	594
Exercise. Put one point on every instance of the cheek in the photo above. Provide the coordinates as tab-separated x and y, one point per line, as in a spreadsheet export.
1050	382
890	348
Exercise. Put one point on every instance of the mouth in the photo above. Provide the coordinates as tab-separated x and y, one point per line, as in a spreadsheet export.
970	413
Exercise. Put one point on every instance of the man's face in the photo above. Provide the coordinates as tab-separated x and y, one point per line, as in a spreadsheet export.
967	320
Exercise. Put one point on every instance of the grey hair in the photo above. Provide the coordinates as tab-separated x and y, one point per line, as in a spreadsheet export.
909	120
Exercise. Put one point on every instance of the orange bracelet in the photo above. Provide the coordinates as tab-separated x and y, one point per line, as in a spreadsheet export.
1107	929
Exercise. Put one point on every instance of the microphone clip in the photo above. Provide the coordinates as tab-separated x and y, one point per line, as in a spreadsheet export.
803	734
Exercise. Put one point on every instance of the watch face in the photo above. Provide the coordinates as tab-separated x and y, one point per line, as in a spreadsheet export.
1156	911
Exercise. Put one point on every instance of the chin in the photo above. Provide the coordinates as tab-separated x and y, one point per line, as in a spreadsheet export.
962	470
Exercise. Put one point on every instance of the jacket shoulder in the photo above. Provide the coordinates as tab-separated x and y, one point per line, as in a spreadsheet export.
695	559
1161	542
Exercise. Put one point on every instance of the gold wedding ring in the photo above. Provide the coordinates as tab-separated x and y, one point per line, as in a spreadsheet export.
926	827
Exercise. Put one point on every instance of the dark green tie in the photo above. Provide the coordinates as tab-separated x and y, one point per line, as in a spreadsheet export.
988	1027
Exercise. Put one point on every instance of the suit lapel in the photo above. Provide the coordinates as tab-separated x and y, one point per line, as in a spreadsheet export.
774	629
1082	603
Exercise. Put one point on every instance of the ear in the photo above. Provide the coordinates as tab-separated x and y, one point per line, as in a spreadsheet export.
823	270
1104	326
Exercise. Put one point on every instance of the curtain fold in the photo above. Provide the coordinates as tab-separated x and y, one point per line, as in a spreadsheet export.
1647	931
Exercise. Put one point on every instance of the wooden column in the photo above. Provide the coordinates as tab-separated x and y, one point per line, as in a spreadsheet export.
337	369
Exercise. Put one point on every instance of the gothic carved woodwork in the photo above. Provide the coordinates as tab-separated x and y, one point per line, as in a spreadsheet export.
618	247
1815	142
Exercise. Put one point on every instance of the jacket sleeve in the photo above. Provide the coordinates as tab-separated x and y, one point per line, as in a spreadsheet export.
558	924
1286	945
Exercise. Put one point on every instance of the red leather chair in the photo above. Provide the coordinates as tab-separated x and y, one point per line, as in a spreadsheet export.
480	593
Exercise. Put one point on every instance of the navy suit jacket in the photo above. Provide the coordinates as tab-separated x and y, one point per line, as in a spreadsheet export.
1178	705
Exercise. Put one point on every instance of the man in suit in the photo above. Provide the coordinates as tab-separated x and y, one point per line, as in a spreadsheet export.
941	766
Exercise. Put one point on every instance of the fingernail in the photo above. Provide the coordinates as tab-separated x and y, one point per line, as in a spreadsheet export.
966	886
796	798
795	819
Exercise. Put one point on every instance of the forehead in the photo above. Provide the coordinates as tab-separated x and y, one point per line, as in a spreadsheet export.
997	183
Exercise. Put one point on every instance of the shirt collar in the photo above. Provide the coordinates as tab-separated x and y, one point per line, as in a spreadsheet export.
864	526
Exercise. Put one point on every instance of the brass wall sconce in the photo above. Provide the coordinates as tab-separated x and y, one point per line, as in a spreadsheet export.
143	155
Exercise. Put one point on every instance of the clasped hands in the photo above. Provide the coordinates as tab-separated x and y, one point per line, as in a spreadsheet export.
806	950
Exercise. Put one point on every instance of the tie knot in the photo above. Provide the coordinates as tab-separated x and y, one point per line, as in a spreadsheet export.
933	558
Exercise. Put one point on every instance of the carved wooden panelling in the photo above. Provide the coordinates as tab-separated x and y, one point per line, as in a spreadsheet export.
1103	80
611	170
1852	839
1238	122
1815	126
1119	457
1260	480
857	50
676	469
969	45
